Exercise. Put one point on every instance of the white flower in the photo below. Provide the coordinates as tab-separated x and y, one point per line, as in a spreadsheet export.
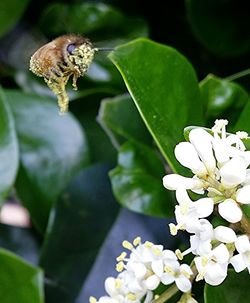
241	260
187	155
202	141
213	267
174	181
141	261
200	242
169	270
224	234
243	195
233	172
188	213
220	166
230	211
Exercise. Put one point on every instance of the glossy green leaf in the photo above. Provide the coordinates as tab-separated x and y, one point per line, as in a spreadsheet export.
164	88
86	109
77	227
19	281
120	119
95	19
246	210
137	181
243	120
219	95
10	13
21	241
220	25
8	148
234	289
53	149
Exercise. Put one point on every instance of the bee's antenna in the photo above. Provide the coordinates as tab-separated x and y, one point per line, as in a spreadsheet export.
105	49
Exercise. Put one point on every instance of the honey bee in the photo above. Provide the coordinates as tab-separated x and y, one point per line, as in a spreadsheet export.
58	60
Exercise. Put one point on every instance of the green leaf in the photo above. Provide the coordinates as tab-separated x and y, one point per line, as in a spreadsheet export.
8	148
219	95
120	119
164	88
137	181
19	281
234	289
10	13
21	241
78	225
99	20
246	210
86	109
220	25
53	149
243	121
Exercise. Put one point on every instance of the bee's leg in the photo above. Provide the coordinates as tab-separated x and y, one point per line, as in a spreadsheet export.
57	85
76	75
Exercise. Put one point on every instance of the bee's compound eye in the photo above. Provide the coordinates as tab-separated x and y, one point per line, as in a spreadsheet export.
71	48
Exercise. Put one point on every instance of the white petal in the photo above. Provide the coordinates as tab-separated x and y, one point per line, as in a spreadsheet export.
183	283
247	180
200	247
169	254
243	195
204	207
187	155
224	234
238	263
207	231
199	264
220	150
182	196
106	299
174	181
202	142
152	282
149	297
246	156
193	225
230	211
139	269
157	267
221	253
242	244
216	273
233	172
110	286
186	269
167	279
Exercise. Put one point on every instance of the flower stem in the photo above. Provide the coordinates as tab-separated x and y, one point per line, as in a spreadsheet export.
238	75
167	294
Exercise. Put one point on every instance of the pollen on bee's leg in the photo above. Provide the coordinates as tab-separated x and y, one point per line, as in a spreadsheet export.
74	80
63	103
58	89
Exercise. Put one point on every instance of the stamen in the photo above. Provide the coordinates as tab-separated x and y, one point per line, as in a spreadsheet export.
131	297
92	300
122	256
179	254
148	244
137	241
242	134
120	266
173	229
126	244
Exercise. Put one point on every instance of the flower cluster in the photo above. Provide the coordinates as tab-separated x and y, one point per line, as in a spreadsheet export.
220	164
147	266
